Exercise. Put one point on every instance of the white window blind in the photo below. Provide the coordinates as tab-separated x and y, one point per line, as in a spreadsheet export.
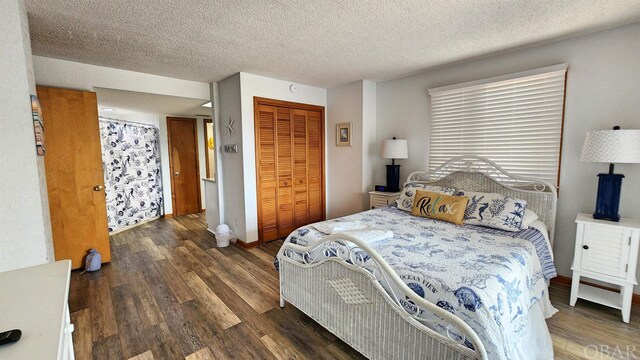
514	120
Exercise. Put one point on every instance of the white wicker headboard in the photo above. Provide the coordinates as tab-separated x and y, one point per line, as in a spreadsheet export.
475	173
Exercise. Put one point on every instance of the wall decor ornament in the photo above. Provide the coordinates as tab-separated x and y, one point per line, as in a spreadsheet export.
230	126
343	134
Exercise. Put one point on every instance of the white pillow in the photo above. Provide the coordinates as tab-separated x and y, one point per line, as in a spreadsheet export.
405	201
494	210
528	218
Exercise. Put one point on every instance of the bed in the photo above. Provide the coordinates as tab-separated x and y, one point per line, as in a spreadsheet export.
433	290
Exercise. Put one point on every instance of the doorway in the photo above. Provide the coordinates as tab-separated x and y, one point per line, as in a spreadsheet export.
184	165
209	149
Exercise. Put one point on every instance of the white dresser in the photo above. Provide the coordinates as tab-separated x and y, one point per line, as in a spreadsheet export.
379	199
35	300
606	251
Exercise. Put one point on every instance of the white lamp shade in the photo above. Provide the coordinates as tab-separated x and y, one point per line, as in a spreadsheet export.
394	149
612	146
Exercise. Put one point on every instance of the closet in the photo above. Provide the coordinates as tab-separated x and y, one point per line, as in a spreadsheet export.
289	165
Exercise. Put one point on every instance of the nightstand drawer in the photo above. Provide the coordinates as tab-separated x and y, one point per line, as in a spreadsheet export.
378	199
605	250
378	202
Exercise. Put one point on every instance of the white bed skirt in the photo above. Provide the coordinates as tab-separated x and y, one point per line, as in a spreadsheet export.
536	341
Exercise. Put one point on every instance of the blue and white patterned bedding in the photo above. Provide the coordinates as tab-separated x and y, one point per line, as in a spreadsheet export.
489	278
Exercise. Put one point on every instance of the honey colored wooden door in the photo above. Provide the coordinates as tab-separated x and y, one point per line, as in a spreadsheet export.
267	174
284	156
289	165
315	165
300	169
184	166
75	182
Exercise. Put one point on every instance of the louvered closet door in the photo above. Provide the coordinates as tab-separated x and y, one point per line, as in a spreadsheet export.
289	162
267	207
314	166
300	167
285	172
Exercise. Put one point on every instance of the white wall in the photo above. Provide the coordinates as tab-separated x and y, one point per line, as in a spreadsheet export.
369	147
25	236
230	177
603	84
138	117
344	163
355	103
215	211
74	75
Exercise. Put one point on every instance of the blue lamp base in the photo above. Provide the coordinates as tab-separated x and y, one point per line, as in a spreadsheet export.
393	178
608	200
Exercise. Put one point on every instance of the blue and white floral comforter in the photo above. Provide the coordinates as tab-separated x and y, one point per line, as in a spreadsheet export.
489	278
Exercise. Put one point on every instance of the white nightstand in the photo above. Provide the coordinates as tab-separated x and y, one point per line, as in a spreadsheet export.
381	199
606	251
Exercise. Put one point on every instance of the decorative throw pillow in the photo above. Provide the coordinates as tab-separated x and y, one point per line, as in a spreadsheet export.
405	201
494	210
438	206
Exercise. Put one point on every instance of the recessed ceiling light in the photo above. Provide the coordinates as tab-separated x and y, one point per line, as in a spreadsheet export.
107	109
208	104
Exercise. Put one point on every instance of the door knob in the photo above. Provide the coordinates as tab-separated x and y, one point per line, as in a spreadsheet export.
177	173
97	188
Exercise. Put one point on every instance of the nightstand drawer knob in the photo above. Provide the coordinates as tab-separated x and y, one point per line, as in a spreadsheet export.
586	247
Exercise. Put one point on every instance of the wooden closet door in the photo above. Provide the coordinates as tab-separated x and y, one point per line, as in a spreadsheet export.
315	162
301	200
285	172
267	174
290	166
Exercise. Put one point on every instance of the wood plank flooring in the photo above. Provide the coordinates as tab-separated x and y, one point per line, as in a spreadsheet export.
170	293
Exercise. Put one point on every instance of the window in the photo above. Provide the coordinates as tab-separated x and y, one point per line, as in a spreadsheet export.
514	120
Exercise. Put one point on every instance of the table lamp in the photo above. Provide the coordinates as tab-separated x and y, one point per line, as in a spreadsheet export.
610	146
394	149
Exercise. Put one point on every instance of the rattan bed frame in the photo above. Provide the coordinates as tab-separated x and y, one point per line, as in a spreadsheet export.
348	297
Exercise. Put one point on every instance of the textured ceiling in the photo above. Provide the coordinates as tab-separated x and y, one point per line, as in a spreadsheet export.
132	102
323	42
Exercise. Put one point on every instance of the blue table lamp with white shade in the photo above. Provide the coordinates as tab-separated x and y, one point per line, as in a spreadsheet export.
610	146
394	149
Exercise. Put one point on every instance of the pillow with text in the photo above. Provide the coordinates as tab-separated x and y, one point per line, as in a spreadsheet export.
438	206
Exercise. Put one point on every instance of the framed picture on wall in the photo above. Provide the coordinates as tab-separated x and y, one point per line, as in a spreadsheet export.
38	127
343	134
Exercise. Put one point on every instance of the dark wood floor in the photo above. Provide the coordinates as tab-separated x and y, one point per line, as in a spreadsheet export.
169	293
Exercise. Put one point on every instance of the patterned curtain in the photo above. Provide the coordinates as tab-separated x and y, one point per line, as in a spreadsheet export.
131	163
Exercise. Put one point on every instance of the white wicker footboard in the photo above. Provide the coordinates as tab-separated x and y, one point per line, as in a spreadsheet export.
333	283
